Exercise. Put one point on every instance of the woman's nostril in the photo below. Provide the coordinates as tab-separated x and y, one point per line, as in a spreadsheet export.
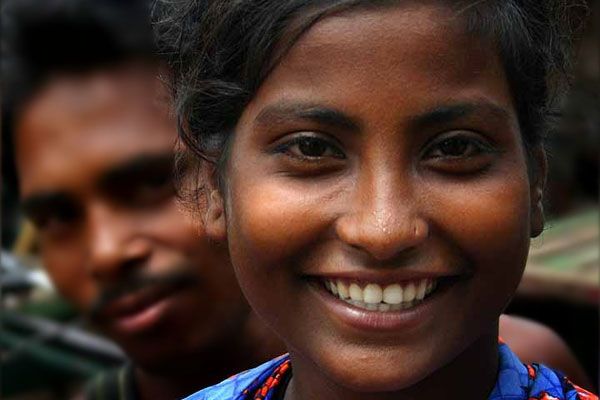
382	240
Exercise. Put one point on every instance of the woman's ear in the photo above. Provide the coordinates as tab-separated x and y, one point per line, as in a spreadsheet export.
214	215
215	223
539	169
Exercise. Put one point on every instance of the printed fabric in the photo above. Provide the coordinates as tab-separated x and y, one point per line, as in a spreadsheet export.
516	381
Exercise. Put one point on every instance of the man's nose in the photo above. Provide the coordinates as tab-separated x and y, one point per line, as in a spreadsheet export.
383	217
115	245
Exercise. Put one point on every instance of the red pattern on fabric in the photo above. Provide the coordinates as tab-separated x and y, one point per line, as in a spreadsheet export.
584	394
544	396
271	383
531	371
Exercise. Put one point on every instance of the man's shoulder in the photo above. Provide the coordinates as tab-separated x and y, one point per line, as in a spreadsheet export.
233	388
114	384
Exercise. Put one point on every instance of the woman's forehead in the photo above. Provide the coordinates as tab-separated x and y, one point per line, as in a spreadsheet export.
402	56
324	23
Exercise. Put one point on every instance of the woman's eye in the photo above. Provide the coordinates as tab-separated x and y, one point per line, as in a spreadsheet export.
459	154
311	147
456	147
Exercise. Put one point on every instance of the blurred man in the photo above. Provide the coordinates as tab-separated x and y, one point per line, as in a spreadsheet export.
93	148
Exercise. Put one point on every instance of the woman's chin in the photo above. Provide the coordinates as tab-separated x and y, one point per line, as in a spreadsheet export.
378	381
359	375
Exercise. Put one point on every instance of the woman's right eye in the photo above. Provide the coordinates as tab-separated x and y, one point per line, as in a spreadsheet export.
310	148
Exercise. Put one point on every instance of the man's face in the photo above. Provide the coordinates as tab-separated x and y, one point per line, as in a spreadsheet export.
95	157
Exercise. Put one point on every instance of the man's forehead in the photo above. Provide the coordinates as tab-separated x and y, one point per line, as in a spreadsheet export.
96	96
64	133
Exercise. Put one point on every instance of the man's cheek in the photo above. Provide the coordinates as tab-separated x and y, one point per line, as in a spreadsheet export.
67	270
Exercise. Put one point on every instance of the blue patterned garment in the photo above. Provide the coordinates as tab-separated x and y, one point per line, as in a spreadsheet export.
516	381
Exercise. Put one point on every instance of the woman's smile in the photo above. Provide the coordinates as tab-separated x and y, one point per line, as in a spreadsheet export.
372	308
371	296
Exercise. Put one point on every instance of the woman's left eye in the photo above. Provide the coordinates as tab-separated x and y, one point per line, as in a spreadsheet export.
456	147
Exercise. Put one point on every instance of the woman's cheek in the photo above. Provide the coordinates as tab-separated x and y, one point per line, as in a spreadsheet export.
490	223
271	221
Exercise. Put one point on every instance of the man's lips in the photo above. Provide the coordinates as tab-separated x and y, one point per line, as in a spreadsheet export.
137	301
138	304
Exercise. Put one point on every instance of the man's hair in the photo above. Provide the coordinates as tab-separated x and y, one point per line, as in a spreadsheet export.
44	38
220	52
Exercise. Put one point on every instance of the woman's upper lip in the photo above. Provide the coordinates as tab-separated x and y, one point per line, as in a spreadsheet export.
383	277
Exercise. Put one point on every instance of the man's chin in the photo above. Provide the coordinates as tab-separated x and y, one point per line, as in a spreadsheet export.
164	364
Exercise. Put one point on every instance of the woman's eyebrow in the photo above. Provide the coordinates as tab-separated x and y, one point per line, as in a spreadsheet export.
285	111
297	111
448	113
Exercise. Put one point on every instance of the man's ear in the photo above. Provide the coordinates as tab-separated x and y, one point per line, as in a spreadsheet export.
538	171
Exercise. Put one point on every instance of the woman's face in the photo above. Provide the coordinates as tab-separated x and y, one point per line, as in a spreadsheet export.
382	156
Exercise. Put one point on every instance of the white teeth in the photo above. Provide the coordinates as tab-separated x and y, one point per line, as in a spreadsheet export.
372	294
333	287
374	297
409	293
392	294
429	287
342	290
356	292
421	289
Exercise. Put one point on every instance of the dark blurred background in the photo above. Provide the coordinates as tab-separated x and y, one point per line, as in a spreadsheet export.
561	283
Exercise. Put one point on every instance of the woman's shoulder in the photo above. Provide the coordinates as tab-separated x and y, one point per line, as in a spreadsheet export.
237	386
533	381
535	342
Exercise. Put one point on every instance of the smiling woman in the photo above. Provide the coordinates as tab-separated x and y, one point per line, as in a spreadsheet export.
381	174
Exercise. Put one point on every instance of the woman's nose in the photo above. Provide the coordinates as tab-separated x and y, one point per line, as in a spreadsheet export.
383	217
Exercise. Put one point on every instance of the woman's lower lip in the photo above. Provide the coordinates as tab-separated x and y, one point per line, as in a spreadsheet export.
377	321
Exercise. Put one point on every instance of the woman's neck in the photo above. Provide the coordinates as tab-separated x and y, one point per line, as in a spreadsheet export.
472	375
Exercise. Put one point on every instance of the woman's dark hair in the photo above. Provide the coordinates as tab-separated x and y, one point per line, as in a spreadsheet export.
220	52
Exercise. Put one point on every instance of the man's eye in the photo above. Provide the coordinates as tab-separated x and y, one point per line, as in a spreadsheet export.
310	147
58	221
157	183
152	191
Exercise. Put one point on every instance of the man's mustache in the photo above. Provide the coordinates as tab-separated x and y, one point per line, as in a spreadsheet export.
135	282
